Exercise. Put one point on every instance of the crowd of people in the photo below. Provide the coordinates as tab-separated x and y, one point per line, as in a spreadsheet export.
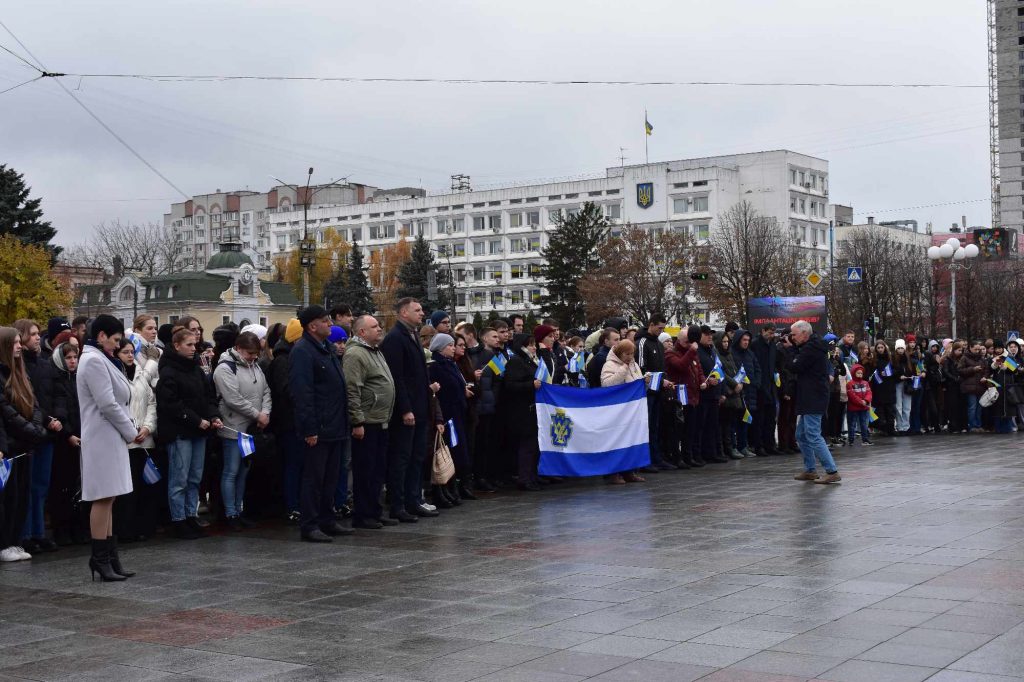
111	435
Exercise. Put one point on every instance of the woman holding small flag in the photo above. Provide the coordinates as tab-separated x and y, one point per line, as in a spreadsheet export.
731	411
883	388
453	398
519	406
104	397
1009	376
244	406
974	369
136	511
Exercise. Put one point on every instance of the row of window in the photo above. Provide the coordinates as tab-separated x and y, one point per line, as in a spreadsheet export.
799	205
480	204
490	247
215	218
807	235
690	204
497	298
807	180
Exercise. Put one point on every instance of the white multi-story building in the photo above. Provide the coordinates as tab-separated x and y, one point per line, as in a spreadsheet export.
492	239
905	234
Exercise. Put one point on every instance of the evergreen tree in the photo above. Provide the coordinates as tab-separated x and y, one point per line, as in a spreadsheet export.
492	316
530	322
478	321
570	254
416	275
21	216
349	284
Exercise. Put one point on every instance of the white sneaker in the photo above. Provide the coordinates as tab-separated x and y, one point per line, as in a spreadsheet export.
22	554
10	554
427	505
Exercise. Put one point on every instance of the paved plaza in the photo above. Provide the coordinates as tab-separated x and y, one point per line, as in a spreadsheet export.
911	569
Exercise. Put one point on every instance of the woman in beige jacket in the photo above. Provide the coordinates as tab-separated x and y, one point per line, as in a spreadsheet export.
621	368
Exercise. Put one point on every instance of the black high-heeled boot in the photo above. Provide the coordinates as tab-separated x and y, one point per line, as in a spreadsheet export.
115	560
464	491
449	491
438	497
99	562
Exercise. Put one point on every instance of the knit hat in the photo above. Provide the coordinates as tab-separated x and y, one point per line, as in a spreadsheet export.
911	338
293	332
542	331
310	314
337	334
55	326
692	334
831	338
258	329
225	335
731	327
900	344
946	342
440	341
164	333
437	317
664	336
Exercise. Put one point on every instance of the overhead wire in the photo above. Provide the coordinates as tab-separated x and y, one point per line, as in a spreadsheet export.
15	87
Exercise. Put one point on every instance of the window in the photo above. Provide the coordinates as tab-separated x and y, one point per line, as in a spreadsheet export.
478	223
357	233
517	245
792	204
494	246
282	243
479	274
458	224
406	229
803	178
516	219
814	208
613	211
533	270
554	215
611	191
459	249
385	231
803	207
792	176
533	244
700	204
700	183
479	248
246	217
535	295
516	272
478	298
225	319
533	218
460	274
572	212
594	194
460	299
260	215
681	205
200	234
703	231
517	297
496	297
494	222
814	181
423	227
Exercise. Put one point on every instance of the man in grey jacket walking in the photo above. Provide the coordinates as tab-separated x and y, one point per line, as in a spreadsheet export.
371	399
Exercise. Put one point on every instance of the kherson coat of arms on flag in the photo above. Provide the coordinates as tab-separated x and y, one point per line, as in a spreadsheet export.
594	431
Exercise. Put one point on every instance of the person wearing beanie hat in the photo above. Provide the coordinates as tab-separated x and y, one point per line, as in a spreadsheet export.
439	341
900	345
258	329
730	328
320	403
541	333
683	369
293	330
163	335
666	340
903	370
54	326
441	321
337	338
337	334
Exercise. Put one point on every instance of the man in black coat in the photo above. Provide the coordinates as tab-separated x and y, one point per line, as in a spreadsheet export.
650	355
763	427
320	402
812	368
407	440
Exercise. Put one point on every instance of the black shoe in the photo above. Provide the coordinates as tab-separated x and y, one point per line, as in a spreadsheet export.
195	524
316	535
198	522
682	464
343	512
530	487
697	462
648	470
31	546
449	493
439	499
367	524
403	516
482	485
335	529
421	511
665	466
62	537
719	459
234	523
464	491
99	562
385	521
115	559
247	522
183	531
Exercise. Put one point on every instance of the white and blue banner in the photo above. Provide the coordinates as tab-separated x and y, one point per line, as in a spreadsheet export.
592	432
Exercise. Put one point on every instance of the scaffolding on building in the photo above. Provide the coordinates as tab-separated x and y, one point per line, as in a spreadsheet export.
993	110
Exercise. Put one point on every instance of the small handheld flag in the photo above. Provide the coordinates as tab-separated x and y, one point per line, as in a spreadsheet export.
246	444
583	381
747	417
718	372
741	376
916	382
876	377
1010	364
994	383
656	380
872	415
684	397
778	380
5	472
542	374
920	366
497	364
887	372
453	437
150	474
574	362
853	356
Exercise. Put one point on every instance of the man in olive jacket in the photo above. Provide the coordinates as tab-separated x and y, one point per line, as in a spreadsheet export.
371	399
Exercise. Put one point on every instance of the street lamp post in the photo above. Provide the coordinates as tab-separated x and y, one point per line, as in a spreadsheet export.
952	252
307	247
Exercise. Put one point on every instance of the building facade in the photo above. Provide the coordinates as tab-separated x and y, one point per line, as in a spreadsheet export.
905	234
1009	44
491	240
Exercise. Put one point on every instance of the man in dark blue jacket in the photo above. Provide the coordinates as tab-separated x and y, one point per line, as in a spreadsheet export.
762	434
812	368
320	402
407	442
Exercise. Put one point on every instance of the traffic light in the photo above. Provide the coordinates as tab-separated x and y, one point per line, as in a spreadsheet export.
869	326
699	276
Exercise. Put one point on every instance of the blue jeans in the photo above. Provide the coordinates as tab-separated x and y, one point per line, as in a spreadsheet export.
742	433
903	403
232	477
812	444
185	457
858	421
341	492
973	412
42	463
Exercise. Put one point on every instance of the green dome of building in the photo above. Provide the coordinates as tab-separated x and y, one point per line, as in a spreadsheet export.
228	259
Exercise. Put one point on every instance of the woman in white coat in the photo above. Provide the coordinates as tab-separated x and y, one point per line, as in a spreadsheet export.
104	397
137	511
621	368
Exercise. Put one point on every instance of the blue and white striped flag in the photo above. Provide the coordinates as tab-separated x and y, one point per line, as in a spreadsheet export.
656	381
916	382
453	437
5	472
542	374
576	362
150	474
588	433
246	444
853	356
684	396
887	372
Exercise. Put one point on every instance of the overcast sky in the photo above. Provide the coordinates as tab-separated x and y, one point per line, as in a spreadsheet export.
887	148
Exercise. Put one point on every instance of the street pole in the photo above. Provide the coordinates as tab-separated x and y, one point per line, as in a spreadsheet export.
305	238
952	298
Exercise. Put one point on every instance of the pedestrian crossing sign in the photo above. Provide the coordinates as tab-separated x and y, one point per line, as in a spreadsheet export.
854	275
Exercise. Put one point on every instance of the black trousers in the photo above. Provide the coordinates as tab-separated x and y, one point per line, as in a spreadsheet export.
407	450
14	502
529	458
65	482
319	478
763	429
486	448
707	416
135	513
369	469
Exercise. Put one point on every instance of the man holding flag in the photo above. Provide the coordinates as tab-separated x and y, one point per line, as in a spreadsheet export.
650	355
490	363
812	368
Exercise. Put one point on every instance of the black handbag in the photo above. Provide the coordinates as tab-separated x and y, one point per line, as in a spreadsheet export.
1015	394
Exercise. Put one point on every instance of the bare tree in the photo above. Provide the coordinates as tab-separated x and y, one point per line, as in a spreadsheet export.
748	256
643	271
149	249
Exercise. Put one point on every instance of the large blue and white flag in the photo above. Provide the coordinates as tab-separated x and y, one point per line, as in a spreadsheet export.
592	432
